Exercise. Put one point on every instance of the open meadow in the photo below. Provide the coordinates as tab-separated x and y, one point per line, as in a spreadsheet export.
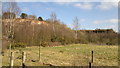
69	55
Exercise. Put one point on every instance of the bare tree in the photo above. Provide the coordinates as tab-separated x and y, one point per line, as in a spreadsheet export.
53	19
76	26
11	7
33	34
40	40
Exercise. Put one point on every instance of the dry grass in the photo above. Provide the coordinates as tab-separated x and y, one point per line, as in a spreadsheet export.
79	55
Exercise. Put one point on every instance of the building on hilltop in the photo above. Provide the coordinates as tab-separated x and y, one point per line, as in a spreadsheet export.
99	31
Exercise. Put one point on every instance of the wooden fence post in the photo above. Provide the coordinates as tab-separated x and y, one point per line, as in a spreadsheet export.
90	65
11	59
92	58
23	59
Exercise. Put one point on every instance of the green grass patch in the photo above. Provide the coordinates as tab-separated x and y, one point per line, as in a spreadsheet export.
68	55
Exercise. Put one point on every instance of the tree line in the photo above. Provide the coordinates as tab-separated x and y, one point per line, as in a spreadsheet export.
54	32
17	33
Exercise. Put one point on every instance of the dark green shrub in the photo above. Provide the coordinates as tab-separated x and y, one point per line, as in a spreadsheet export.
24	16
40	19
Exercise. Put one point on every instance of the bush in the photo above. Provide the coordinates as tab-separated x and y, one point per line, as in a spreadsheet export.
44	44
24	16
21	45
17	45
110	43
62	40
54	39
40	19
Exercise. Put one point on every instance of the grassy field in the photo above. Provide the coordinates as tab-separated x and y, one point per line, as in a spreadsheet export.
69	55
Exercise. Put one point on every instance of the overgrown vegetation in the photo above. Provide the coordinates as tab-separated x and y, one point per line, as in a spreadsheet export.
43	34
32	31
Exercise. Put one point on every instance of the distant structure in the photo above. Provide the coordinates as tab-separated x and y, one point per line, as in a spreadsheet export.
99	31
